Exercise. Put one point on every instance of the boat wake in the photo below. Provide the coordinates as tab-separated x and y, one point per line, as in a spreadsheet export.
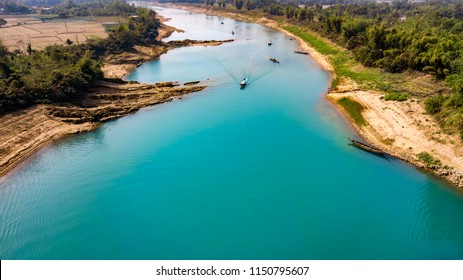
252	72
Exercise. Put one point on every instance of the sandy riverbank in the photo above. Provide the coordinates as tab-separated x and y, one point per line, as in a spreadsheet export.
26	131
403	129
120	65
321	59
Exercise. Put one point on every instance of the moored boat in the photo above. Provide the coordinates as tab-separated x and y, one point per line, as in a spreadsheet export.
272	59
367	147
301	52
269	43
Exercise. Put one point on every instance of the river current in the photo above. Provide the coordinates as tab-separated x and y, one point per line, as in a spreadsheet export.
264	172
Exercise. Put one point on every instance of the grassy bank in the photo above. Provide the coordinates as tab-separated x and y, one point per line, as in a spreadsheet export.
343	62
371	86
354	109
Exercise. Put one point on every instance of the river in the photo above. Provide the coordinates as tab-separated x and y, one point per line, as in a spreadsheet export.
264	172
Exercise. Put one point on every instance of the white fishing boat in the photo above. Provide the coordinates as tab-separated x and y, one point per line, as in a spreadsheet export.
243	82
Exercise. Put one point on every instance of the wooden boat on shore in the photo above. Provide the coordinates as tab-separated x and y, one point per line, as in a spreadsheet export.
367	147
301	52
272	59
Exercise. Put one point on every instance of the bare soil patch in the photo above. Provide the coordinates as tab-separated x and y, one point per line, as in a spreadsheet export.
41	34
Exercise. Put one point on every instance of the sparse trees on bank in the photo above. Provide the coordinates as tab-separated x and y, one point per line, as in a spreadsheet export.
239	4
26	79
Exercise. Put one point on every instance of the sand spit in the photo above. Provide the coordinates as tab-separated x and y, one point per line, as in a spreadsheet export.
24	132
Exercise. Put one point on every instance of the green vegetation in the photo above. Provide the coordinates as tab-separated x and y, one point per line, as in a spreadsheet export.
342	61
428	159
372	41
14	7
62	73
56	2
354	109
142	29
365	41
396	96
28	79
315	41
93	8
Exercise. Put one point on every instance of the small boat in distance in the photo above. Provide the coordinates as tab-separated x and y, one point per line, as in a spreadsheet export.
272	59
221	22
269	43
301	52
366	147
243	82
233	32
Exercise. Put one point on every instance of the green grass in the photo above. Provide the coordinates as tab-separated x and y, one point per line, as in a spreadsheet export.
396	96
343	62
114	27
48	16
314	40
354	109
428	159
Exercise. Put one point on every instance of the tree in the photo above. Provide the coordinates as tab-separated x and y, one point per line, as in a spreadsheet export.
3	50
222	4
239	4
290	11
145	25
29	49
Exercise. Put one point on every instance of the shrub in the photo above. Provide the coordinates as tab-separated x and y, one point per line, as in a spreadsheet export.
354	109
428	159
433	105
396	96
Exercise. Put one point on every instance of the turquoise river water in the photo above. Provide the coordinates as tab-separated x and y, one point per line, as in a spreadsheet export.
260	173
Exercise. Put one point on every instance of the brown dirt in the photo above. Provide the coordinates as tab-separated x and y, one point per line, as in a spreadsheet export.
400	128
41	34
119	65
321	59
403	129
25	131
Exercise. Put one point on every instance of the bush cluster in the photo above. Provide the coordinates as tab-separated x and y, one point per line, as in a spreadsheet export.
62	73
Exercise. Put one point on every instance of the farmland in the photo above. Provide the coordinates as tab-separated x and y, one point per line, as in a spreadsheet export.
21	31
